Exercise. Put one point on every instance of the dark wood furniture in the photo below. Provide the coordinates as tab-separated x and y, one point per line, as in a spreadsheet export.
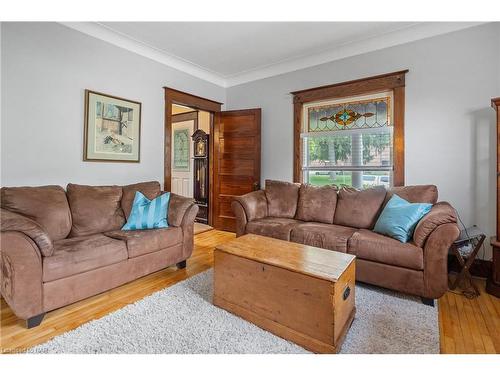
201	174
473	239
493	283
301	293
390	81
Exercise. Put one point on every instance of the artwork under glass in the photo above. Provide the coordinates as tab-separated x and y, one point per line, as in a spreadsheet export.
181	150
112	128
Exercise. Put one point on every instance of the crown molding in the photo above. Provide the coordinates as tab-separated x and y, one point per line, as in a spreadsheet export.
412	33
111	36
394	38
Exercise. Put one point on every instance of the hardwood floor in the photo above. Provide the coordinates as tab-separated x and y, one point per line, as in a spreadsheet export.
466	326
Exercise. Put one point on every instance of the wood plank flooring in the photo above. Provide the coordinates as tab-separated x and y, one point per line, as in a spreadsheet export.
466	326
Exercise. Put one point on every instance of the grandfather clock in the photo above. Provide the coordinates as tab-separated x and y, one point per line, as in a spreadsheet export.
493	283
201	175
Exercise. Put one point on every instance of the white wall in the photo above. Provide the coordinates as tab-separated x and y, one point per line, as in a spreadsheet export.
449	127
45	69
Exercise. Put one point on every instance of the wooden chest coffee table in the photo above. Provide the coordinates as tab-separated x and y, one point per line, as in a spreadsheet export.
301	293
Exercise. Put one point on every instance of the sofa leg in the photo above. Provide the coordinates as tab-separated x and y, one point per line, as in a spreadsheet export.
34	321
428	301
181	265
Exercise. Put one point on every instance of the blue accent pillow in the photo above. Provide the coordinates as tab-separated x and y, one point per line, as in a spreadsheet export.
400	217
148	213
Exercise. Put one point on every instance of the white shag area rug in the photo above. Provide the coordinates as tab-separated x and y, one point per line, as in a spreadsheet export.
182	319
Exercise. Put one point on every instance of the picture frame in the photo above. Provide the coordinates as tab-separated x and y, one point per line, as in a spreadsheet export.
112	128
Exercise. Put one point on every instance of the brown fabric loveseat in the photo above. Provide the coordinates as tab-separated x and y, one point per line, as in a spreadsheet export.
343	219
58	247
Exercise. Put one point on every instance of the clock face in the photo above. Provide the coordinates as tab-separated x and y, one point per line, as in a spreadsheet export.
200	148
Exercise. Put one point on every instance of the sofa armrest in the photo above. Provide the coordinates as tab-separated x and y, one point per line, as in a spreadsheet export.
21	274
441	213
187	226
436	259
11	221
254	204
241	217
177	208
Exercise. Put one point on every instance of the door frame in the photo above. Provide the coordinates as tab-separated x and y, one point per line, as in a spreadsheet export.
173	96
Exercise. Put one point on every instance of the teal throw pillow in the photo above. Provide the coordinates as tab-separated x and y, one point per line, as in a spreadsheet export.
400	217
148	213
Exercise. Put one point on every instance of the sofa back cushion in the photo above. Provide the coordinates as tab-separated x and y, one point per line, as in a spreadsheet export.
415	193
282	198
359	208
150	189
95	209
317	203
47	205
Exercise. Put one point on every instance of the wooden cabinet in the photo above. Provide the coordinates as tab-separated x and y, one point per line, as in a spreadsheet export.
493	283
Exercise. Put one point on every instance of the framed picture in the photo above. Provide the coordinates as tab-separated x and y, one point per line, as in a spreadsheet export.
112	128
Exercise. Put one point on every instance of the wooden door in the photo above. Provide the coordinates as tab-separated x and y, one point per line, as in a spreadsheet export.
236	161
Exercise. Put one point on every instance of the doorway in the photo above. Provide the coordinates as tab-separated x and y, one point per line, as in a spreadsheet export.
233	153
184	124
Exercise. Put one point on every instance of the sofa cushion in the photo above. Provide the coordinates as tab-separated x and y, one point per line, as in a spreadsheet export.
415	193
95	209
359	208
282	198
47	205
276	227
326	236
140	242
150	189
317	203
369	245
80	254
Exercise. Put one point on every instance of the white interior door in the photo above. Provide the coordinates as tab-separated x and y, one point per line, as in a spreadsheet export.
182	158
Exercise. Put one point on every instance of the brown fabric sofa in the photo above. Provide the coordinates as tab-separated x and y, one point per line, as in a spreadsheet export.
343	219
58	246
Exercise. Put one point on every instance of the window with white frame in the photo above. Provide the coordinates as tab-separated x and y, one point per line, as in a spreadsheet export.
349	141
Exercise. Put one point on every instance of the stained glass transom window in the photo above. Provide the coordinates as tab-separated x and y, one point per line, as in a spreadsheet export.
362	114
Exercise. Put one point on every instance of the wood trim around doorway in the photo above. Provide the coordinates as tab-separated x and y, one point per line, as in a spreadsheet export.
188	116
391	81
173	96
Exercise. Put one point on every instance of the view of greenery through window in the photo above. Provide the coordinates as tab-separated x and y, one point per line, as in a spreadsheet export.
349	141
336	150
319	147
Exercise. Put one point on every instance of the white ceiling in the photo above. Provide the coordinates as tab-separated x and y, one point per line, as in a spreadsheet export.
230	53
233	48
